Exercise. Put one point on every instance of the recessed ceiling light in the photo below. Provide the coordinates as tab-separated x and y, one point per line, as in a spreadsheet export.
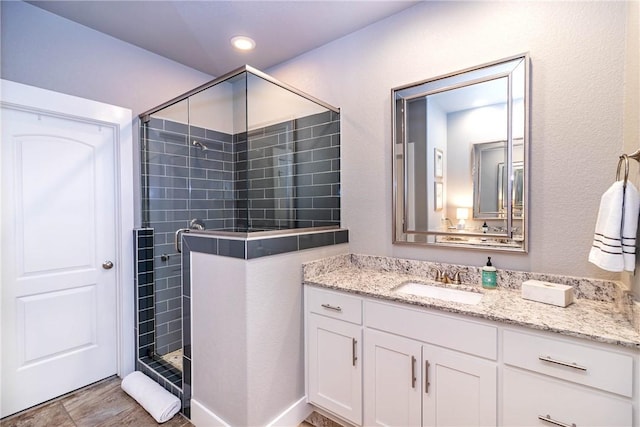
243	43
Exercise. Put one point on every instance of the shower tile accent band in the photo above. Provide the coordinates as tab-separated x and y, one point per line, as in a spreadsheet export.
250	249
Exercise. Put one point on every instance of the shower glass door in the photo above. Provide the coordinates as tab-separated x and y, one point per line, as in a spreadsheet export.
188	182
216	115
166	189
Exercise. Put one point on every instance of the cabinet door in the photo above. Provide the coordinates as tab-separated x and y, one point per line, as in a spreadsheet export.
335	366
392	380
458	389
535	400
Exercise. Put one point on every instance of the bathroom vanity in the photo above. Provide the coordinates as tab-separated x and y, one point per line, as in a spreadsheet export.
376	356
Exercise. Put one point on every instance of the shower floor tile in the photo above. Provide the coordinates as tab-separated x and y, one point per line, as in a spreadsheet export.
174	358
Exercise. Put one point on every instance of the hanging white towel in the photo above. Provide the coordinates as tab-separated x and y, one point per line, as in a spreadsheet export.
157	401
630	226
616	219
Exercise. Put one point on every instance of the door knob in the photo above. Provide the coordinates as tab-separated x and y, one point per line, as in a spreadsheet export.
107	265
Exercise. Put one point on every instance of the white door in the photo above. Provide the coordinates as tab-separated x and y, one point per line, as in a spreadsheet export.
59	325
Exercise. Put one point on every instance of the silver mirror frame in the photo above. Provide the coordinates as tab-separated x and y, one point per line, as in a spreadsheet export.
501	241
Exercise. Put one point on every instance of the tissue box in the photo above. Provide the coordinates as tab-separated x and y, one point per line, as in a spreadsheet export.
547	292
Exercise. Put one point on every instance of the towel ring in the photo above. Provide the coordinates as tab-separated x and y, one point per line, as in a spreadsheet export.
626	168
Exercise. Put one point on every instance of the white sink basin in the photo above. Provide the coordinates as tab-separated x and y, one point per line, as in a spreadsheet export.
439	292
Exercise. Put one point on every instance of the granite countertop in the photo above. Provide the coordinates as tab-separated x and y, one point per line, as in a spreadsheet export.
594	320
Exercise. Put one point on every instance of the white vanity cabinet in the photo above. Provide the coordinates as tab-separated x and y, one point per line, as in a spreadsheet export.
427	368
462	389
333	348
553	381
408	383
392	380
411	378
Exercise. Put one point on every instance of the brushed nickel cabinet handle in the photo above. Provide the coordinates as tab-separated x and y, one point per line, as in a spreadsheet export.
332	307
550	420
354	350
560	362
413	372
426	377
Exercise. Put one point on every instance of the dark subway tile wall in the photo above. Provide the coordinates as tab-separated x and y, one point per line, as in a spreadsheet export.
281	176
144	284
285	169
182	181
145	330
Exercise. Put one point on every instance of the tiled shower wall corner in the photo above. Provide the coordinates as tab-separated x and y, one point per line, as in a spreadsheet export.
288	174
182	182
293	181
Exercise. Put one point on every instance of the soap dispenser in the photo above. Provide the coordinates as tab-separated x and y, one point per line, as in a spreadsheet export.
489	276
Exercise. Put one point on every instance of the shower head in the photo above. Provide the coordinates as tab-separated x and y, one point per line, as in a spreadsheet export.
199	145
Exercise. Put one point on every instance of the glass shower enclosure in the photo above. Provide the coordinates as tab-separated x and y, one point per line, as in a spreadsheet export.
244	153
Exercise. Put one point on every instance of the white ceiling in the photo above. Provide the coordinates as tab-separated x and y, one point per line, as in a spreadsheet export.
197	33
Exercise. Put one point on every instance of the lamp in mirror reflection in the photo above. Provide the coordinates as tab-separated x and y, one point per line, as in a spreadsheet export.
462	214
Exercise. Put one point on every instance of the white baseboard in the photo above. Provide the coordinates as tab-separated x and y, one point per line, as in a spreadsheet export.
202	417
291	417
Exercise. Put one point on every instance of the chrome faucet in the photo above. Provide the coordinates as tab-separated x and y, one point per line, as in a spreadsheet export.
450	226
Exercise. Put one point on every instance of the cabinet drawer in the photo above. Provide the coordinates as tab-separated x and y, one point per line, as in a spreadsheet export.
456	334
334	304
578	363
527	397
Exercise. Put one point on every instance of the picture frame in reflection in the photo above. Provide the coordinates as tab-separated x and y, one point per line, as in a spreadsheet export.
438	163
438	195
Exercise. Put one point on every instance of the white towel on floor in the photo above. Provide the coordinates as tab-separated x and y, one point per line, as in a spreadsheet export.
614	240
157	401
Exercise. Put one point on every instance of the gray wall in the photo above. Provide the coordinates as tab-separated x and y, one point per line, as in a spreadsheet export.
578	67
41	49
579	51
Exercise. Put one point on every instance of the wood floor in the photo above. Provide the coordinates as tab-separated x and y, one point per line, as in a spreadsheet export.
103	404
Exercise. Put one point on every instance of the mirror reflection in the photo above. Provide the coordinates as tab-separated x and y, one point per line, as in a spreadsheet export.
460	158
490	180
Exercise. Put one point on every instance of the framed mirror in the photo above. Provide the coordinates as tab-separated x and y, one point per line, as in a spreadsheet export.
460	150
